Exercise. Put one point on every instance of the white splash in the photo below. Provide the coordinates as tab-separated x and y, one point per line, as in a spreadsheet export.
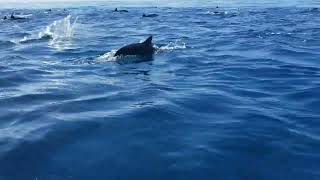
60	33
171	46
24	16
107	57
217	12
60	29
24	39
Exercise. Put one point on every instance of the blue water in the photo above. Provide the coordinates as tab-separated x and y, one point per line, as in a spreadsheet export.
228	95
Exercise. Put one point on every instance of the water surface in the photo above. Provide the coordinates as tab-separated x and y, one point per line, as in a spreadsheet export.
232	93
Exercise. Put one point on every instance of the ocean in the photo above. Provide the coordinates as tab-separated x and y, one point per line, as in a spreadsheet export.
230	93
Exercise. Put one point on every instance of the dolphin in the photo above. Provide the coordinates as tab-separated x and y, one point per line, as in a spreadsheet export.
139	49
14	17
116	10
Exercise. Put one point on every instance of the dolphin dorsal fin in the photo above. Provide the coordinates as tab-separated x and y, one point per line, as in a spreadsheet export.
148	41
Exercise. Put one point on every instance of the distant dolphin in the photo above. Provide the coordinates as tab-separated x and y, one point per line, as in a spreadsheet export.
14	17
140	49
150	15
116	10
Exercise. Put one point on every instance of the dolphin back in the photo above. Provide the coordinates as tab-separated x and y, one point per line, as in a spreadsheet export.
141	49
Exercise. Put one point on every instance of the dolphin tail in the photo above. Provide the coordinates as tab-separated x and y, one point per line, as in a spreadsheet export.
148	41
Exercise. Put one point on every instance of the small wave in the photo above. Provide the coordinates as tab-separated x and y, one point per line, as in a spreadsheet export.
273	33
19	34
216	12
12	57
222	13
23	16
311	10
31	39
6	44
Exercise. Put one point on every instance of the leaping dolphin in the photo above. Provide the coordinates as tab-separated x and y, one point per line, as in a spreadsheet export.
139	49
